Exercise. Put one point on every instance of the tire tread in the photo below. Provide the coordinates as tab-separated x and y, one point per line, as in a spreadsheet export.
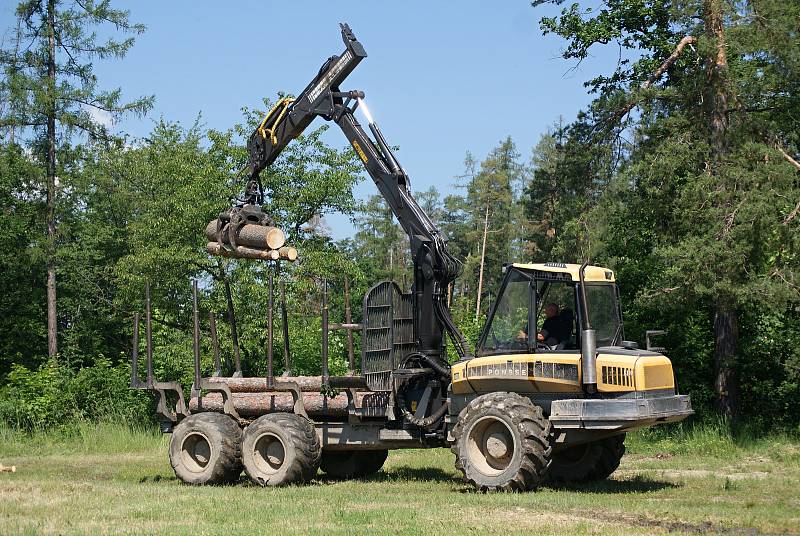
534	428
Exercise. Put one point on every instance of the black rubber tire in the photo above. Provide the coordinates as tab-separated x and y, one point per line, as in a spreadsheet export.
279	449
352	463
206	449
588	462
524	428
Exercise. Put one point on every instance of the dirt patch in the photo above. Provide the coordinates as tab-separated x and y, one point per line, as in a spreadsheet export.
519	518
678	474
650	457
748	476
706	527
524	518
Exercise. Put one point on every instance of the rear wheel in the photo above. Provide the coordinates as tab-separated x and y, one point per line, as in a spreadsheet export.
352	463
280	448
205	449
588	462
501	443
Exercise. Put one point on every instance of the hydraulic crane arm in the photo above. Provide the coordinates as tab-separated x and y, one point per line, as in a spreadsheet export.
434	266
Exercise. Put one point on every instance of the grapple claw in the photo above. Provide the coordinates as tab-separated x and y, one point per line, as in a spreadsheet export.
247	232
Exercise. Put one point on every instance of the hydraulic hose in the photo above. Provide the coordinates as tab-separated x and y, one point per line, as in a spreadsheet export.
431	420
428	422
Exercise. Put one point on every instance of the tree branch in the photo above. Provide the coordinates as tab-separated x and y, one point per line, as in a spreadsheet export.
687	40
793	214
787	156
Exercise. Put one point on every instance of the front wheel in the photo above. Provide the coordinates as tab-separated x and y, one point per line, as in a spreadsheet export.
588	462
501	443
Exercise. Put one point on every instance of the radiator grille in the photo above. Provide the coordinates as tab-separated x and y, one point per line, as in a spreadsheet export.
622	376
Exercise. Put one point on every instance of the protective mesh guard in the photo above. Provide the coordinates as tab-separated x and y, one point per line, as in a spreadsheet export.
388	333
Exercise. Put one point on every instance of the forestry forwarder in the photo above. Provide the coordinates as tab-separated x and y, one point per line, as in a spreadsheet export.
539	398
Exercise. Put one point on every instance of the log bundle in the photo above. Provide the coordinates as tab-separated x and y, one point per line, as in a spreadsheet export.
250	235
252	405
259	242
286	253
306	383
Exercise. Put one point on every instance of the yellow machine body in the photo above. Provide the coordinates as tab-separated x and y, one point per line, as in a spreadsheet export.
560	372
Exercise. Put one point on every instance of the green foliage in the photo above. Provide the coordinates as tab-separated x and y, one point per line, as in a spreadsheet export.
470	327
491	197
635	182
694	214
21	292
71	97
770	360
54	395
381	245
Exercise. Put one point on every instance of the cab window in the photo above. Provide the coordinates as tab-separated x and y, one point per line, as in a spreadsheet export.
508	326
604	312
555	316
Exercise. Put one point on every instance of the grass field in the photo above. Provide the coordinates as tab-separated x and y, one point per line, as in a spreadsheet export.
108	479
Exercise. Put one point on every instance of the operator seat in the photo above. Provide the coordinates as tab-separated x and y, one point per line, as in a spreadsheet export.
566	323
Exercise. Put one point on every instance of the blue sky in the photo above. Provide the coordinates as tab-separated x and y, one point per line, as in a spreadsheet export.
441	79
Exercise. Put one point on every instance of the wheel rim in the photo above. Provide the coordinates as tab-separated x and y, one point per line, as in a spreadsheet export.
196	452
490	446
269	453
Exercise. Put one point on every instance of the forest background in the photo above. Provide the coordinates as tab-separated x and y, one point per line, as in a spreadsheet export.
682	176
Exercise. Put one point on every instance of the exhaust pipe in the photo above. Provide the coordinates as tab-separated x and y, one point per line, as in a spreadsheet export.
588	341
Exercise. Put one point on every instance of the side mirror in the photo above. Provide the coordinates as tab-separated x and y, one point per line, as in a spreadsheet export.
654	333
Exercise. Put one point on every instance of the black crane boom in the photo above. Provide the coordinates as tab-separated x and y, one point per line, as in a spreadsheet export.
434	267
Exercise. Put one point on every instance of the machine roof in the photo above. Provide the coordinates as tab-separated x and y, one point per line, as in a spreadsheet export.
592	273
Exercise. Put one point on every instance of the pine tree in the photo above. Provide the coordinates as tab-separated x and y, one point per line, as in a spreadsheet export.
52	92
707	193
491	201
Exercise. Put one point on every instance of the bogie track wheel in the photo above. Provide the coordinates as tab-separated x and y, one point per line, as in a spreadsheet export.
588	462
501	443
352	463
280	448
206	449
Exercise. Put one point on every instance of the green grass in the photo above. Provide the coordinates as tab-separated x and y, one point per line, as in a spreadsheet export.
110	479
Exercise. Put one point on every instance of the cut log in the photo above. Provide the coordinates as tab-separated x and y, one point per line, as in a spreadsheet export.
306	383
250	235
288	253
242	252
257	404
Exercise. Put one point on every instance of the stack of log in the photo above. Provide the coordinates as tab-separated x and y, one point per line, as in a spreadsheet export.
251	399
257	242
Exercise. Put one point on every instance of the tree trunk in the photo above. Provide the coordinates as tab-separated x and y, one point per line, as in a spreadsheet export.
52	325
17	39
726	341
483	259
232	322
726	325
717	76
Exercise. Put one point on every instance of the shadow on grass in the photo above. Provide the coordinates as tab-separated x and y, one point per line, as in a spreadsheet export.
157	478
638	484
422	474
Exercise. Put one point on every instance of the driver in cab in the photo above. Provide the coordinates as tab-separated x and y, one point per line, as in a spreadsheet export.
552	330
